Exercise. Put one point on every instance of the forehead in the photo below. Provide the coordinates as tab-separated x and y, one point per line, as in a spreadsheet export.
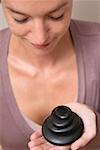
34	5
35	2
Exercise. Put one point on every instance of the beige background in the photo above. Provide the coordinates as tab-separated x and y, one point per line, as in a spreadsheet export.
82	9
87	10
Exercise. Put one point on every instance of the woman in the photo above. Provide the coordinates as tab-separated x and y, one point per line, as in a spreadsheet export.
47	59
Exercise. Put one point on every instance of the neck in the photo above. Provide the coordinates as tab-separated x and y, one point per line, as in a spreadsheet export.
41	62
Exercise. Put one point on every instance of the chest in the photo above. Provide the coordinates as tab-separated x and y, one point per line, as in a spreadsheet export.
37	96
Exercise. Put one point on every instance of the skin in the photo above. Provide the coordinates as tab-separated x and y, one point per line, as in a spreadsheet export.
40	23
33	69
89	133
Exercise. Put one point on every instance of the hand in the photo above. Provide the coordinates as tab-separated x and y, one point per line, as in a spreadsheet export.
37	142
89	120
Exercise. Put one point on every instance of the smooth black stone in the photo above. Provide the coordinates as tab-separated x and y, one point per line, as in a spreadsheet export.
62	127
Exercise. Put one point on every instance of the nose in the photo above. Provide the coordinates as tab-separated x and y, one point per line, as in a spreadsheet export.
39	32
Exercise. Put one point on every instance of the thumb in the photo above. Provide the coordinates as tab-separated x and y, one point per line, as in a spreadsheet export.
36	134
81	142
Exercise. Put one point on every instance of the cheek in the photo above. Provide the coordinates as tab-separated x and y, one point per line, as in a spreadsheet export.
15	29
18	30
60	29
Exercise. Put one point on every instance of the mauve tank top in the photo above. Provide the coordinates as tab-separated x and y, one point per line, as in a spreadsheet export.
15	131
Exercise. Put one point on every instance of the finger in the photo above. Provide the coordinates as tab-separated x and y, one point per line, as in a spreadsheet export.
36	148
36	134
42	146
61	148
36	142
81	142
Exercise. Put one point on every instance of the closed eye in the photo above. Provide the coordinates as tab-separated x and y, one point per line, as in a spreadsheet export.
51	17
21	21
56	18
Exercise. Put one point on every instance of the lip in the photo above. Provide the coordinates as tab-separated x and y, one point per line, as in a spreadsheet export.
40	46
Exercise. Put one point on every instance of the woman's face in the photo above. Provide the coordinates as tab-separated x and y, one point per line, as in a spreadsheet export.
38	23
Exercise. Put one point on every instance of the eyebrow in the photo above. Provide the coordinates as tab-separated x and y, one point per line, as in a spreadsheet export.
21	13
